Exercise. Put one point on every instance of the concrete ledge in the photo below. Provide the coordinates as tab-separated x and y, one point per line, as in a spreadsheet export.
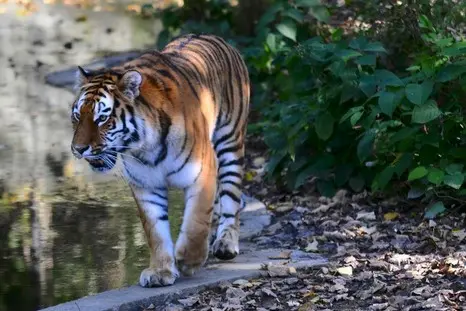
246	265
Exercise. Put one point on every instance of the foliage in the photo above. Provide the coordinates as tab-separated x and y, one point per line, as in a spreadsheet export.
332	108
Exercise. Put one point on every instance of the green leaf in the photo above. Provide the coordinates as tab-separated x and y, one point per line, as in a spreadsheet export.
324	125
321	13
346	54
275	161
359	43
337	67
350	112
434	210
417	173
326	188
375	47
450	72
294	14
384	177
419	93
435	176
385	77
356	117
454	168
288	29
403	163
455	181
387	102
368	60
275	140
413	68
426	113
415	193
368	85
365	145
356	183
403	133
272	42
342	174
308	3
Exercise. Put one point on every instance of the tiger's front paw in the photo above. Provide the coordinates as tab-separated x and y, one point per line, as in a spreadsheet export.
226	247
190	257
151	277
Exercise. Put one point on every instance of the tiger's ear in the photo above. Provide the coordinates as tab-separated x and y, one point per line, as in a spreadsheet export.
130	83
82	76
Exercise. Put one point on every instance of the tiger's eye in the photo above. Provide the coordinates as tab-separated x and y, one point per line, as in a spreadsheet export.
102	118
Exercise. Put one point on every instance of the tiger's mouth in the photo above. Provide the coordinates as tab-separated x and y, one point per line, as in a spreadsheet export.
102	164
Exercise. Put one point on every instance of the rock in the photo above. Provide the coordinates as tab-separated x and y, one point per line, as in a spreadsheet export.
68	45
275	270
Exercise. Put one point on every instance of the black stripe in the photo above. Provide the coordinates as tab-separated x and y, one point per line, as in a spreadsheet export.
184	163
160	196
223	139
165	123
231	195
167	75
234	183
169	64
228	174
227	150
239	161
163	217
227	215
184	142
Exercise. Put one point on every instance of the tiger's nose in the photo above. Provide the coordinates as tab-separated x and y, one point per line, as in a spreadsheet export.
79	149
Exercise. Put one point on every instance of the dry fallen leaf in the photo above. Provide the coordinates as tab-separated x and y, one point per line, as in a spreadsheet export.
312	247
282	255
249	176
390	216
366	216
189	302
460	234
346	271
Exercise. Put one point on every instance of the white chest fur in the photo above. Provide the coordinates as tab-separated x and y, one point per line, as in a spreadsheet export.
141	172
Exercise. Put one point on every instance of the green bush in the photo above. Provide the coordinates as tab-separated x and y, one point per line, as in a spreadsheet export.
330	108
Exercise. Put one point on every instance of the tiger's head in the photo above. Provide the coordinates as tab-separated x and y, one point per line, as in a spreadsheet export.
103	118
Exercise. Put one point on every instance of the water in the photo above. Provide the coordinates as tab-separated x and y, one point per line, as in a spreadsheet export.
64	232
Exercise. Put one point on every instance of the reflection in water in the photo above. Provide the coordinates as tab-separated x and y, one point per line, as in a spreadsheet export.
69	244
64	232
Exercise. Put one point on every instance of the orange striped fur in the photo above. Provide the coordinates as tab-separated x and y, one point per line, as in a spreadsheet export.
176	118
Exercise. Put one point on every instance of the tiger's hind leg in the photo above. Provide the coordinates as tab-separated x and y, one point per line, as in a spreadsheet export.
231	156
215	218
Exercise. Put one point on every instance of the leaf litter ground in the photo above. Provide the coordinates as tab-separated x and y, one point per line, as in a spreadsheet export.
383	255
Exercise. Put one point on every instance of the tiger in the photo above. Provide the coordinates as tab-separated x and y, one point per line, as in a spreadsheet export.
175	118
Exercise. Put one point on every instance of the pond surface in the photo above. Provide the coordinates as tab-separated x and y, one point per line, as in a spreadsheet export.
64	231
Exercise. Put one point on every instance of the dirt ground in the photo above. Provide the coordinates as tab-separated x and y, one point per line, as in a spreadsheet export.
383	255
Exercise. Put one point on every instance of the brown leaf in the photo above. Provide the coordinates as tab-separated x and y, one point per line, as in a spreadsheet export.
282	255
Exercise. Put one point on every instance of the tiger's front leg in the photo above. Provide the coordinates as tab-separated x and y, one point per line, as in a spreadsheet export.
192	246
153	211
